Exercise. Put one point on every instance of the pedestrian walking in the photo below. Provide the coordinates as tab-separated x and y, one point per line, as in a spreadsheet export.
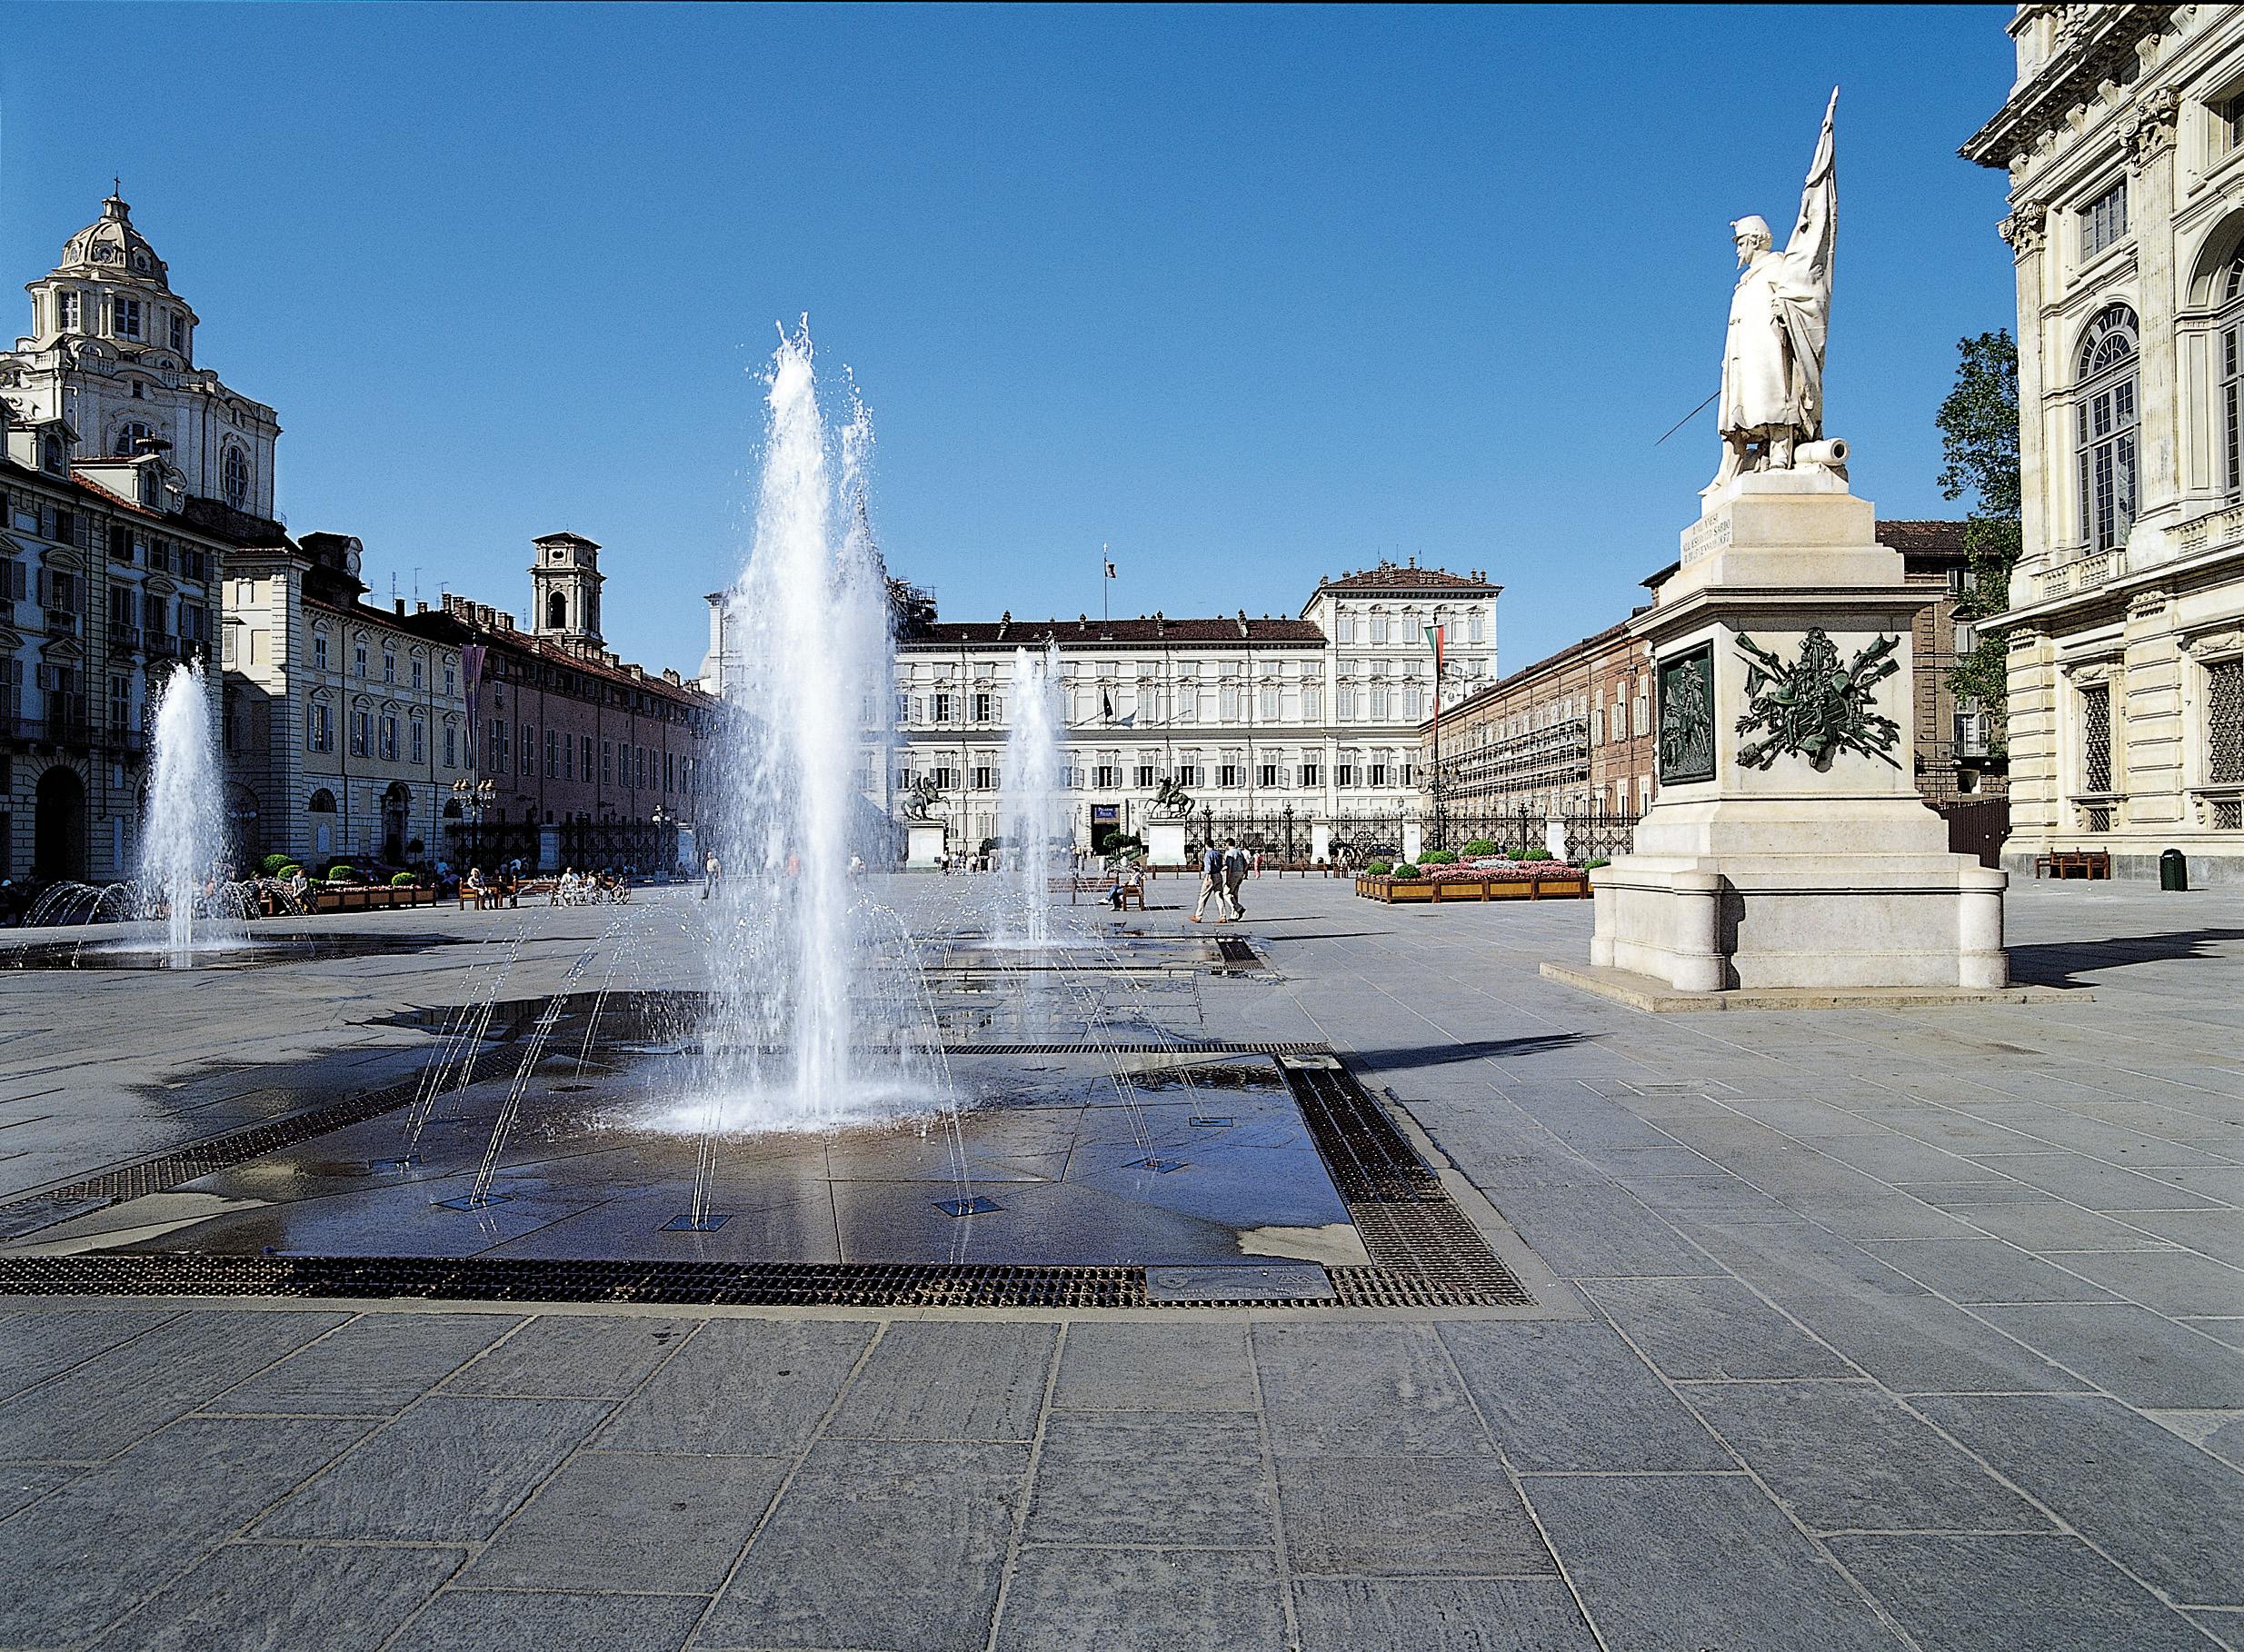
1234	874
713	875
1210	882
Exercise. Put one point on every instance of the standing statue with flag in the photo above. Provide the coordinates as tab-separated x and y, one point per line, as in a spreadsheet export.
1771	399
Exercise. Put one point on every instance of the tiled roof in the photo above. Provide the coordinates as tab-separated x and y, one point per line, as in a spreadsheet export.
1085	632
1391	576
1922	537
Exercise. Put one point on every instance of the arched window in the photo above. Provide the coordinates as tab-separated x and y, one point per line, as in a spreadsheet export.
2229	362
130	435
556	611
234	477
2106	422
322	802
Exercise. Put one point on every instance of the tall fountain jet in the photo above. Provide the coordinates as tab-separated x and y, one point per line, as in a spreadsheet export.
184	834
815	1009
1029	816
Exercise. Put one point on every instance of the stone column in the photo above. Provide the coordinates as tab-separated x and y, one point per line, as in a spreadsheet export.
1700	966
2150	145
2026	229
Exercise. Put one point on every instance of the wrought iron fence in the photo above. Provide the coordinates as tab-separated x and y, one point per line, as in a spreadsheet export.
1281	834
1598	835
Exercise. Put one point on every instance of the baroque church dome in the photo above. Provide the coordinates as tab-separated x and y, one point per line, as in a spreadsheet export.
110	246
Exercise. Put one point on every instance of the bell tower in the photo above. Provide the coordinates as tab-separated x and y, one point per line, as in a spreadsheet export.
564	585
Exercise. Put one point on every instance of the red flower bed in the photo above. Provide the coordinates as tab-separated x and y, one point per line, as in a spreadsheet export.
1510	872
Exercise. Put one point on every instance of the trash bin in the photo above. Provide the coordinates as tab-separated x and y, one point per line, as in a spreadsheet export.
2173	869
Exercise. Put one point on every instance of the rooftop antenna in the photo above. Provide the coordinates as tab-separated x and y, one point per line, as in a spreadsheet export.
417	582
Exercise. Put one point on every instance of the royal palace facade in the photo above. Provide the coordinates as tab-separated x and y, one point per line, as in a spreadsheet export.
2123	139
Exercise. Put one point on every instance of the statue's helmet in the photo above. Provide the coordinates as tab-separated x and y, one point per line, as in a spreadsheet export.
1753	227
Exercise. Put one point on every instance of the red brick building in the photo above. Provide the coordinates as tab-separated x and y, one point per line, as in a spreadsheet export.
581	759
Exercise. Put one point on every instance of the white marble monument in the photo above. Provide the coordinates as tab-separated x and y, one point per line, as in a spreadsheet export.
1788	847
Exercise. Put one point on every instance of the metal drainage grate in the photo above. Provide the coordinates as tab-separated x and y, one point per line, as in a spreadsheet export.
1234	950
1164	1049
1425	1250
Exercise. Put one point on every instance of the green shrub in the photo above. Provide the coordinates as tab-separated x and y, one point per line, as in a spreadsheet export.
1438	857
1480	847
399	880
290	871
1537	854
1593	865
1406	872
340	873
271	865
1378	868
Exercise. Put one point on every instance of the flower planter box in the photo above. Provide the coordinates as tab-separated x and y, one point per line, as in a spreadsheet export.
1569	886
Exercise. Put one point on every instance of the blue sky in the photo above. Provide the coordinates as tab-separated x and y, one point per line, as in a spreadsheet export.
1254	295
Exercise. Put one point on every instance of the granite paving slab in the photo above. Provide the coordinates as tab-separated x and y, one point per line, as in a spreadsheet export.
1439	1614
2160	1506
1682	1563
1169	1479
2166	1281
2141	1357
1570	1395
948	1380
1407	1516
447	1470
666	1524
275	1596
1183	1367
1363	1390
572	1356
1975	1270
375	1365
100	1406
1848	1457
1694	1330
1142	1600
751	1388
477	1620
2003	1593
892	1546
38	1344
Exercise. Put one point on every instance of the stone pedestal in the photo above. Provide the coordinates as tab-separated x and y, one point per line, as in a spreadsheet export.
1320	843
1413	839
1788	847
1164	843
924	842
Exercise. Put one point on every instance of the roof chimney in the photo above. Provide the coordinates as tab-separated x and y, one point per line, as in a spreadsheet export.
399	603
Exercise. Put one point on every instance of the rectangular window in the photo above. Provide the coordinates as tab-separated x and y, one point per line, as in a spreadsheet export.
2095	737
389	666
2228	126
120	703
319	651
984	776
1346	703
607	762
585	767
1312	775
1227	775
981	707
65	311
1379	702
452	682
1379	774
417	670
1145	775
127	311
2104	220
942	704
2224	723
179	333
358	656
552	754
361	724
420	743
526	755
1344	773
323	728
1313	702
1267	775
1268	708
1228	704
452	747
946	776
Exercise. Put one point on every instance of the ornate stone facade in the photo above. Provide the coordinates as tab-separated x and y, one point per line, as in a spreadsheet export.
2123	138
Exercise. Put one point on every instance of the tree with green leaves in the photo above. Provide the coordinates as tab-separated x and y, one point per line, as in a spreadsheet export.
1978	443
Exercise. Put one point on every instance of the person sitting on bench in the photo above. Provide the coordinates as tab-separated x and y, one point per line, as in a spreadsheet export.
1131	883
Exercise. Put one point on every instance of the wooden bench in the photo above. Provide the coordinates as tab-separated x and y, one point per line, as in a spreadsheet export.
1132	893
2074	863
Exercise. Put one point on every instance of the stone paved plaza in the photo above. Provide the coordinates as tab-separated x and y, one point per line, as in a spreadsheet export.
1853	1329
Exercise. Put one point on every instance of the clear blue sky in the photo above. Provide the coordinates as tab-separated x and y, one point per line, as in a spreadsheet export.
1252	295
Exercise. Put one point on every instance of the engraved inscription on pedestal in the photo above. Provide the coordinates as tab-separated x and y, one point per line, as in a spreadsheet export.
1686	716
1814	707
1709	534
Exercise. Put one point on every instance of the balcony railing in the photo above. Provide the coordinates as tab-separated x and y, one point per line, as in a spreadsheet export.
2084	572
62	623
125	637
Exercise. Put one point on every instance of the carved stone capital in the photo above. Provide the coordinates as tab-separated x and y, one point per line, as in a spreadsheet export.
2027	227
2148	129
2215	645
2144	603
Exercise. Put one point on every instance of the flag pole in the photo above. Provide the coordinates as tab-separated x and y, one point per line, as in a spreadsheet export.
1105	562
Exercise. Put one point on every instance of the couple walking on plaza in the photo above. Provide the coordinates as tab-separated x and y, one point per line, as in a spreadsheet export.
1222	872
